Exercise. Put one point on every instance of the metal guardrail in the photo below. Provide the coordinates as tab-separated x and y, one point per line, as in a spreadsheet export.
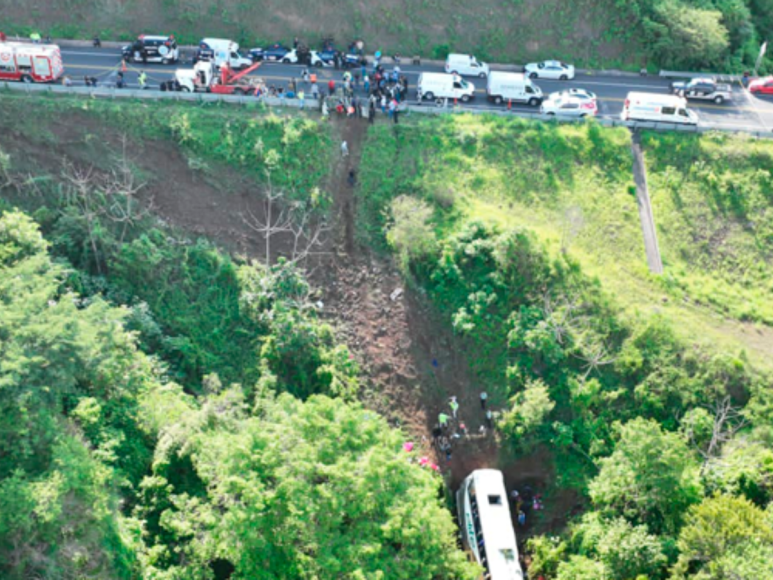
313	105
719	77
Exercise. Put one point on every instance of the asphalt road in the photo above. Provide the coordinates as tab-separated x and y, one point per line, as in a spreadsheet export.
743	112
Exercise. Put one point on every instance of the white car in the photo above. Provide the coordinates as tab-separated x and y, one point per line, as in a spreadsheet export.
292	58
581	94
568	106
550	69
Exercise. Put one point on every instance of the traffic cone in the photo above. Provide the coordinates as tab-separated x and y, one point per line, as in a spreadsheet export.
123	65
509	104
455	102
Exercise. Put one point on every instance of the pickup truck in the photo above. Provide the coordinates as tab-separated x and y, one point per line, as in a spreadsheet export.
704	90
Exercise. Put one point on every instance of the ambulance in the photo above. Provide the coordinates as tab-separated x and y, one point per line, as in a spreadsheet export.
30	63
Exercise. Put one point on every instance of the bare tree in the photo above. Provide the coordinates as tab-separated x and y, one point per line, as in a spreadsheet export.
97	195
571	224
81	195
594	354
295	221
563	316
727	422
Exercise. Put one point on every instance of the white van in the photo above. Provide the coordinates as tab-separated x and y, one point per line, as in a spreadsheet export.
466	64
658	108
222	51
517	87
434	86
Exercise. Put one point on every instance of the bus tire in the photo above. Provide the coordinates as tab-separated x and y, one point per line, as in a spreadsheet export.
498	100
533	102
430	96
465	98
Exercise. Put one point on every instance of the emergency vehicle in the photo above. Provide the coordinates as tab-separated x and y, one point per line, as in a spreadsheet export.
30	63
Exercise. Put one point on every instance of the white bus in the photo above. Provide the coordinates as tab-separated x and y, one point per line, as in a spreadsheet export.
487	528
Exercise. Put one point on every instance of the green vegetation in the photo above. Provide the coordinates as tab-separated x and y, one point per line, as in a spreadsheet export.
713	34
168	410
537	265
257	485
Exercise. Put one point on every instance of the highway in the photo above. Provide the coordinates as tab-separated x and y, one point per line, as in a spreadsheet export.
743	112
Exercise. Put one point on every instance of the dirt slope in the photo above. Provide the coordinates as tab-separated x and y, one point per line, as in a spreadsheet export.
511	30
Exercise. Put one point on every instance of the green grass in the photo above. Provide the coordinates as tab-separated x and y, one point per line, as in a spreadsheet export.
297	148
712	199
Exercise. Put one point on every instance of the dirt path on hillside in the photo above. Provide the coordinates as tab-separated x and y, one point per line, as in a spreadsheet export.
411	361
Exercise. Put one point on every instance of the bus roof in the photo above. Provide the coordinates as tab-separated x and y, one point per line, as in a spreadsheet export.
497	525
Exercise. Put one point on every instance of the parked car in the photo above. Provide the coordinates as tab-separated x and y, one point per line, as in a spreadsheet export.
274	52
581	94
703	89
763	86
568	106
292	57
466	64
148	48
550	69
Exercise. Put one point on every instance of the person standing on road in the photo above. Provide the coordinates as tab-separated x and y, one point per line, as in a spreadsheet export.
372	112
142	78
490	419
443	420
302	99
395	116
344	149
331	87
314	91
483	399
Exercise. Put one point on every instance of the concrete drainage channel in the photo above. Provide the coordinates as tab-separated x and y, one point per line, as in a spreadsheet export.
312	104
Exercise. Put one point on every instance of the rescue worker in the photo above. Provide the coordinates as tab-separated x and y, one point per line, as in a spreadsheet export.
142	78
35	37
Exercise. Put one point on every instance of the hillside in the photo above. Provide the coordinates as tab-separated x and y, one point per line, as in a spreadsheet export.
606	33
223	355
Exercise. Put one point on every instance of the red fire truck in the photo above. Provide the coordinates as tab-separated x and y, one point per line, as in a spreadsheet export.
30	63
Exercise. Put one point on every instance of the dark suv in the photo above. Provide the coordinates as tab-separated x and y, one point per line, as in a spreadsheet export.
149	48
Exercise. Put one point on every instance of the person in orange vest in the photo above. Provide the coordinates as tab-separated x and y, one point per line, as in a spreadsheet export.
313	78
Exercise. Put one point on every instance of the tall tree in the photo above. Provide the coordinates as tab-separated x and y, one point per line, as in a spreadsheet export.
314	489
651	477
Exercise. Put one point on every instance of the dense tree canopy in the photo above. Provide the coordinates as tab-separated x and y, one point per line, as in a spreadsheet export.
318	489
